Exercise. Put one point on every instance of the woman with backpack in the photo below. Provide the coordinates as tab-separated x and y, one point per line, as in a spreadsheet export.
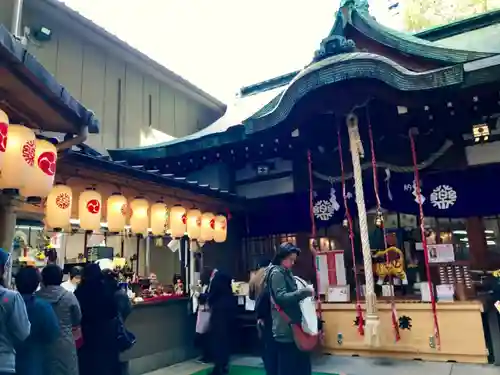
30	358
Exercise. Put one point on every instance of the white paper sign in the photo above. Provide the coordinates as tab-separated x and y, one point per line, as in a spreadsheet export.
338	294
249	304
441	253
425	292
445	292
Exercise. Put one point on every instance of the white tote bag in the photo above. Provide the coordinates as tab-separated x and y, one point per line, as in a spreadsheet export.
308	308
203	320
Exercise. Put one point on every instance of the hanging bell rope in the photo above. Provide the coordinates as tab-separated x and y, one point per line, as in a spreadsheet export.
359	312
372	326
412	133
380	224
313	232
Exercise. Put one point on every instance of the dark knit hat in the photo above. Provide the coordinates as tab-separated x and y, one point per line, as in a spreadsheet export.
284	251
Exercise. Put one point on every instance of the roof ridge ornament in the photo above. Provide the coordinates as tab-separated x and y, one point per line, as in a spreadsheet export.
336	42
354	4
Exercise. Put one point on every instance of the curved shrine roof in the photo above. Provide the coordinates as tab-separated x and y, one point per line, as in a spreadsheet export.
356	47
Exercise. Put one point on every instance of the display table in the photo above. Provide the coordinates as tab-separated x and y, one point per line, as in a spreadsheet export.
460	324
165	333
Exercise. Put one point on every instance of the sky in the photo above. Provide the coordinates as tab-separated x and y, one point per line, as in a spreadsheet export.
219	45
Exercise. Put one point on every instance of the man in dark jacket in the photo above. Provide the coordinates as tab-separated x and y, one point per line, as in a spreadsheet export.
284	294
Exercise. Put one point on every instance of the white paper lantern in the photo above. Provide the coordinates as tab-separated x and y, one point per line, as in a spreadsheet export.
139	218
90	210
4	128
42	176
116	212
207	227
159	218
58	207
193	224
19	158
220	228
177	221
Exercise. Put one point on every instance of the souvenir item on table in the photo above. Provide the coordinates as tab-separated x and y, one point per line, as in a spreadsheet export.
179	287
203	320
390	263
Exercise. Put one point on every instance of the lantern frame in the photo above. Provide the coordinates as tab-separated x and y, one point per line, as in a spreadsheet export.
207	227
181	215
218	220
143	221
112	208
64	200
193	223
165	219
94	204
18	160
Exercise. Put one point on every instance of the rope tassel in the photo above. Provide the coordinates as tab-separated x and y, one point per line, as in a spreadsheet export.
372	327
313	233
418	191
359	312
394	315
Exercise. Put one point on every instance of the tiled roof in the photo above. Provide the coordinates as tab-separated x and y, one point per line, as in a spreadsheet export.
89	156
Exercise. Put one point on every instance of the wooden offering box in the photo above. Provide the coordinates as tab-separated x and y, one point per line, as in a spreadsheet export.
460	325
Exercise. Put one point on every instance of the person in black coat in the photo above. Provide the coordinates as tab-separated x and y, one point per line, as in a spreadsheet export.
98	295
223	306
202	339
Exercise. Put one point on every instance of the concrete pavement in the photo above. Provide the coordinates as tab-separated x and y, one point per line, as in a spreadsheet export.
354	366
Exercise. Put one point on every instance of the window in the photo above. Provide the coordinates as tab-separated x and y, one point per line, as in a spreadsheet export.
257	248
492	233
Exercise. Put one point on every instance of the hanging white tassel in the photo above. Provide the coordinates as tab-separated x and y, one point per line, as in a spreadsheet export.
388	183
372	321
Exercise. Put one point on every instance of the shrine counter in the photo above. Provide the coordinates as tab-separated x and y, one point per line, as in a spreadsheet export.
165	333
460	325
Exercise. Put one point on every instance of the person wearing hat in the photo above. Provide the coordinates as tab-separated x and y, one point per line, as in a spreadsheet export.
285	295
15	326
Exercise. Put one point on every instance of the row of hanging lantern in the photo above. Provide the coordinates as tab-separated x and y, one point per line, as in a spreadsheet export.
157	218
27	164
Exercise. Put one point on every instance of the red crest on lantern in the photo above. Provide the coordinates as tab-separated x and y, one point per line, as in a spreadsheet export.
47	163
28	151
62	201
212	223
93	206
124	209
4	128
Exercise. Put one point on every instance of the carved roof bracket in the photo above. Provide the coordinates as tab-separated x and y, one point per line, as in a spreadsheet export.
336	42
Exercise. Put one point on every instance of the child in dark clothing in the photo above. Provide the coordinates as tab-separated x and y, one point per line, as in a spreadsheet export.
44	325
